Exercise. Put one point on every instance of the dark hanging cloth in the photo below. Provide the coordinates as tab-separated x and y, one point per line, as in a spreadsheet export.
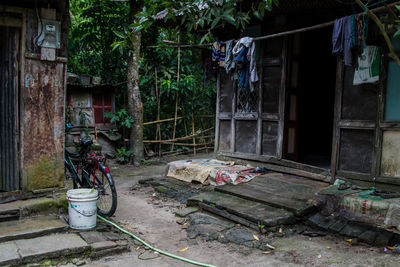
242	61
218	53
342	39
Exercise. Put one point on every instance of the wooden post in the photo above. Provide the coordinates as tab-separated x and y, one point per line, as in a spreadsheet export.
176	96
282	101
216	140
260	101
194	137
337	117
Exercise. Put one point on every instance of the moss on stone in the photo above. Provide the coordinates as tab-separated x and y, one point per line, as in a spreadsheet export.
161	188
40	174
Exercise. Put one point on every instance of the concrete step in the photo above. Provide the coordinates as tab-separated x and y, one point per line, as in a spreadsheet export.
31	227
255	212
9	214
24	251
55	245
294	194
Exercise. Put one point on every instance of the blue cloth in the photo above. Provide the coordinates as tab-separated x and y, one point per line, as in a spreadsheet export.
244	71
341	39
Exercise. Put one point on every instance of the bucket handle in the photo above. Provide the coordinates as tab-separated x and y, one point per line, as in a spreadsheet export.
82	213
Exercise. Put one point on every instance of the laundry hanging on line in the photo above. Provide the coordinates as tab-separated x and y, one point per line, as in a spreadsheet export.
218	53
348	37
368	67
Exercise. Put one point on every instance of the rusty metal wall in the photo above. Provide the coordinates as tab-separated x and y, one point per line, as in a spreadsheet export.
9	177
43	121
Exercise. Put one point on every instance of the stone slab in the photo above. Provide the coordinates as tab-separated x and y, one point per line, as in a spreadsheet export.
103	245
93	237
186	211
250	210
8	253
292	193
31	227
50	246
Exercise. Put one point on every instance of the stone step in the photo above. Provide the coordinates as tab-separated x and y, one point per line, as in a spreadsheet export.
36	249
294	194
9	214
258	213
31	227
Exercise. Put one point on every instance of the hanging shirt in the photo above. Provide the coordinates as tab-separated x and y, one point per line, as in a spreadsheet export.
244	53
341	39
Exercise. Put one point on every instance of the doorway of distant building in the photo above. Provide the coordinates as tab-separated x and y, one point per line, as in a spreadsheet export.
310	99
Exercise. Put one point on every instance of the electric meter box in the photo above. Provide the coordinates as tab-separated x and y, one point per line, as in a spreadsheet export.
50	33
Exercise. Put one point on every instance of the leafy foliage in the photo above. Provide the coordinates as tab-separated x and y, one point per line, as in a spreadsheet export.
123	155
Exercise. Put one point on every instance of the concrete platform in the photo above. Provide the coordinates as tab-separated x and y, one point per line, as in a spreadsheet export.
292	193
250	210
32	227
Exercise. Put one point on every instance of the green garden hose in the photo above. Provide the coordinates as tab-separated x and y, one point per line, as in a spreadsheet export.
153	248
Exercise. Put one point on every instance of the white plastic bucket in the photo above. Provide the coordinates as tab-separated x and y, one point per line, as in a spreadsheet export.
82	208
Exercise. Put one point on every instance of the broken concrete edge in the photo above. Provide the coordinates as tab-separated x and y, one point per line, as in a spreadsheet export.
76	252
363	232
33	234
58	205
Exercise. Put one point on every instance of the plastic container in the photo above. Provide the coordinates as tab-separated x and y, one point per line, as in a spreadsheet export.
82	208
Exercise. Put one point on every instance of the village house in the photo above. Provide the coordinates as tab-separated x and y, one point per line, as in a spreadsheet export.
33	66
306	115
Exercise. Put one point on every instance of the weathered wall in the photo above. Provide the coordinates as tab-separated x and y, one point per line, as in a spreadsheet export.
43	121
43	101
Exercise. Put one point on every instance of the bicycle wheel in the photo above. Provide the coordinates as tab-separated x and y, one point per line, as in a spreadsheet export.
104	184
70	173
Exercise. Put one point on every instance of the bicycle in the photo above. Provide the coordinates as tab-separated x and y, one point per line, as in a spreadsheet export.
94	174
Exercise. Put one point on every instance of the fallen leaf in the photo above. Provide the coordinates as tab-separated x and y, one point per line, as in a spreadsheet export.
267	252
391	248
183	250
319	256
349	240
271	247
137	248
132	229
280	230
256	237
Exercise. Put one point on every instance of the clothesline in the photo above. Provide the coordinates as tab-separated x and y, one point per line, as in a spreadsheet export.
274	35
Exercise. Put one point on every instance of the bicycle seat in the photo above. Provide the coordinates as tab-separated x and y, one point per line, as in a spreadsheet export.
86	142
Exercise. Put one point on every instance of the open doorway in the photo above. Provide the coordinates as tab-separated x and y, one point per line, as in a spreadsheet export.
311	97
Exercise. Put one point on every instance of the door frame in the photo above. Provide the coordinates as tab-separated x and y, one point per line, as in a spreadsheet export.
19	23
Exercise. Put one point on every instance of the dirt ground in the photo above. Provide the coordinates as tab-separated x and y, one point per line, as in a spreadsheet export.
156	223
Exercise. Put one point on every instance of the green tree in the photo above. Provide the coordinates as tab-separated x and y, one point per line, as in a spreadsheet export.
194	15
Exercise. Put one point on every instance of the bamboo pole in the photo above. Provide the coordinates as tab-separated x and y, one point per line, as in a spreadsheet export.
177	93
160	121
274	35
180	138
158	129
193	133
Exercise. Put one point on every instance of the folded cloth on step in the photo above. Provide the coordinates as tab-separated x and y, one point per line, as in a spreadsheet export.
194	170
232	175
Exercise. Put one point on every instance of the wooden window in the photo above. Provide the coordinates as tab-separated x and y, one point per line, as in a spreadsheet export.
101	104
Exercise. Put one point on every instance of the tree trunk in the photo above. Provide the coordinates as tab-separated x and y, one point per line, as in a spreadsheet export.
134	101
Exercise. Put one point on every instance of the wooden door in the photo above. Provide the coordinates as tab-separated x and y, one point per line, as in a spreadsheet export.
9	46
252	122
